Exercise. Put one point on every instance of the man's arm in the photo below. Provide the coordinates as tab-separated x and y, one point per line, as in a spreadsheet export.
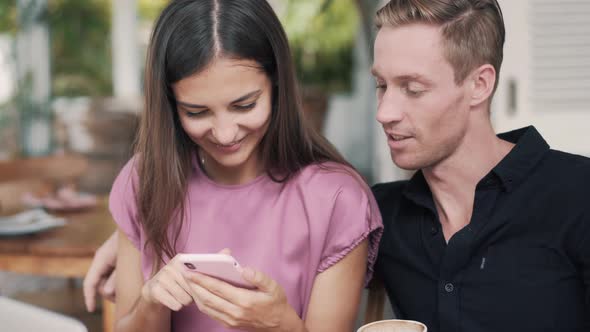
101	274
134	312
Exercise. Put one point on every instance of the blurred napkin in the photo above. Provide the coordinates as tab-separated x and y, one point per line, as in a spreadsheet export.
65	199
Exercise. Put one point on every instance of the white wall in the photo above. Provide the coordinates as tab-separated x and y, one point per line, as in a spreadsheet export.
125	42
351	125
350	117
565	127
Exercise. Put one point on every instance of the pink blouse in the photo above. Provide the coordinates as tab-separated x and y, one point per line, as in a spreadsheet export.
290	231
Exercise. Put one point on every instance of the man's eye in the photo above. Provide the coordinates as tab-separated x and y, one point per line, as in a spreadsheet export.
412	92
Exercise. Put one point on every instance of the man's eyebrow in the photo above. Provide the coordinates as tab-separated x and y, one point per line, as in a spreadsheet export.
413	77
405	77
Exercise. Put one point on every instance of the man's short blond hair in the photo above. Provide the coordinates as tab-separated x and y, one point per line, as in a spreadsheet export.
472	30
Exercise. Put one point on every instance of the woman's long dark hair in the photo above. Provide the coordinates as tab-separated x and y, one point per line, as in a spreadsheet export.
188	35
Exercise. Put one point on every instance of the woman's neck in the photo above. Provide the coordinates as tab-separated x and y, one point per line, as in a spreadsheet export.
238	175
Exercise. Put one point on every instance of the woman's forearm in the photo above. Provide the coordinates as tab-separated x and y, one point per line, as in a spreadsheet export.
293	323
145	317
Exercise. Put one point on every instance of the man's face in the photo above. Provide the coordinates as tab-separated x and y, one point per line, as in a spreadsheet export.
424	113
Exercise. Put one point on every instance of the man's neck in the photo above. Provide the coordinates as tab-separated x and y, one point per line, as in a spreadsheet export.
453	181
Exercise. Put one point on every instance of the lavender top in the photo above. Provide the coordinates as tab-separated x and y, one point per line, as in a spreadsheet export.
291	231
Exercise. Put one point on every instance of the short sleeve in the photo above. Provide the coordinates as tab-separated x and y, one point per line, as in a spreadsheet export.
355	217
122	203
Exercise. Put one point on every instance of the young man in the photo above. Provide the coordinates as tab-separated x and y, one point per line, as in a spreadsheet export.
492	233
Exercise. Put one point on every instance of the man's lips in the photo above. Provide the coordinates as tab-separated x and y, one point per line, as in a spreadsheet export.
398	137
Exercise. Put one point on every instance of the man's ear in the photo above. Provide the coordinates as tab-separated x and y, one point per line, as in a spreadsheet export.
483	80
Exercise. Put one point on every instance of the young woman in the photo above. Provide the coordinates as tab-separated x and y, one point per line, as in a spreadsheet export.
225	160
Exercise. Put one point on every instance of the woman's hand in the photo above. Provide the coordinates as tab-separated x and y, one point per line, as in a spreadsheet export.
263	309
168	288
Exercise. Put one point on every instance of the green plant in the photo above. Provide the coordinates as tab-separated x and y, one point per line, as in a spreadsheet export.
150	9
7	25
81	44
80	47
7	16
322	37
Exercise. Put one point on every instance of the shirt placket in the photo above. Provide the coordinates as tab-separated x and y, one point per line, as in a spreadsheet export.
457	255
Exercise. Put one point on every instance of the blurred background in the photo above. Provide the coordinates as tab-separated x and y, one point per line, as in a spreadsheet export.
71	76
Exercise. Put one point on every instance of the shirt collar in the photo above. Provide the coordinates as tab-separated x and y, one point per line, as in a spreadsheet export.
513	169
418	191
527	153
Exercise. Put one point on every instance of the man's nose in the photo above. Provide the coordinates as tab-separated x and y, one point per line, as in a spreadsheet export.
390	109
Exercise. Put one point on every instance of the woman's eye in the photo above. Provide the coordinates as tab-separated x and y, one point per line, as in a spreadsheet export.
245	107
196	114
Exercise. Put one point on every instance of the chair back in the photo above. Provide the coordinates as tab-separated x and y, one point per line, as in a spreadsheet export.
57	169
38	176
375	301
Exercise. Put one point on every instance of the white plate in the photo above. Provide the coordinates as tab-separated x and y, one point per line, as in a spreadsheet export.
21	317
28	222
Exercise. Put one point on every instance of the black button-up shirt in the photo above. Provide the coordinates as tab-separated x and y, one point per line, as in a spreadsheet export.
521	264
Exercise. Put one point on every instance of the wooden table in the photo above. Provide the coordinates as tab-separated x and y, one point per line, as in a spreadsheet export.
63	252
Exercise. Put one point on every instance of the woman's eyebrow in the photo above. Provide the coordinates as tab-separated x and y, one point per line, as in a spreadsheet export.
241	99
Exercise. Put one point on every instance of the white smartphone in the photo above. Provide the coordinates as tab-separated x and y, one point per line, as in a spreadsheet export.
219	266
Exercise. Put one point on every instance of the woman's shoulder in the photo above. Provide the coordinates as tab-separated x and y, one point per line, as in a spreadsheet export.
332	177
127	178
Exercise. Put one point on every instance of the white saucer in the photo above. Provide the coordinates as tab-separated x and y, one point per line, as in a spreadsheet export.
29	222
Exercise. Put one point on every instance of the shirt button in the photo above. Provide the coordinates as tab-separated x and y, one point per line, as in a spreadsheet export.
449	288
